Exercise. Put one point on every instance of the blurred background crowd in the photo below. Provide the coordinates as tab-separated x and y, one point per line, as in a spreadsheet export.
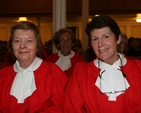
129	46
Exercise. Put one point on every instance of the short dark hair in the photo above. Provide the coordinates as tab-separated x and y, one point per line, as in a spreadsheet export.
103	21
25	25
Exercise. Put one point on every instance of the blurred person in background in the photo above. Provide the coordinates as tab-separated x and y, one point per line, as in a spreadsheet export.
135	47
78	47
123	45
48	47
64	40
89	54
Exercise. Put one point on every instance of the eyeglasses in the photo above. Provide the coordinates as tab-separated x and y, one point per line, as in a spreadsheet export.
65	40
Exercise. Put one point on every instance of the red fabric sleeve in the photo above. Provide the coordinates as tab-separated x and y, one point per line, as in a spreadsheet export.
47	98
138	83
73	99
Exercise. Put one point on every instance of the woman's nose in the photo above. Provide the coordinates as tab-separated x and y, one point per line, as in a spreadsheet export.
100	42
22	45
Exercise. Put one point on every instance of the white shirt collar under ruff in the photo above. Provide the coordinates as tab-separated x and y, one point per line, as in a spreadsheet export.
24	82
64	62
112	82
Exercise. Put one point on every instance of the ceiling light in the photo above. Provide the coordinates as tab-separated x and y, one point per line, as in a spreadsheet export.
89	19
22	19
97	15
138	18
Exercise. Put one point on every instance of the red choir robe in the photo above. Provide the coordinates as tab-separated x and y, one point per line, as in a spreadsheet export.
83	96
74	60
50	82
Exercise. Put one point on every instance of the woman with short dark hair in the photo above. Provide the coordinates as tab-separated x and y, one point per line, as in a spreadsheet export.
111	83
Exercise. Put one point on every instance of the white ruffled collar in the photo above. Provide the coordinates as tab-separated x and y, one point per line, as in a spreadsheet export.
111	80
64	62
24	82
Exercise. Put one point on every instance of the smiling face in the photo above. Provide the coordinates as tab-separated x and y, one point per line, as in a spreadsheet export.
104	44
24	47
65	43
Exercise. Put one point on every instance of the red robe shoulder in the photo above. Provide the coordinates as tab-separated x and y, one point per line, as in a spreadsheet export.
50	83
83	96
74	60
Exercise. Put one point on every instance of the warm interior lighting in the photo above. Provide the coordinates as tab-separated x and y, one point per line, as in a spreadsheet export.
138	18
22	19
96	15
89	19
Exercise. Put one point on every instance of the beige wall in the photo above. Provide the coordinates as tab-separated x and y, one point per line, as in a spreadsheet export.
46	31
45	28
4	31
136	31
131	28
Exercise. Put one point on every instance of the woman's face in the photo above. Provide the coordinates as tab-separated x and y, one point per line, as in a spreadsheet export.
24	47
104	44
65	43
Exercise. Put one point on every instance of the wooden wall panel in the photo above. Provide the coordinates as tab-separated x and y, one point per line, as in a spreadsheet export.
46	34
114	4
74	5
70	5
79	5
13	5
43	5
98	4
122	28
3	34
27	5
136	31
132	3
46	6
3	3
